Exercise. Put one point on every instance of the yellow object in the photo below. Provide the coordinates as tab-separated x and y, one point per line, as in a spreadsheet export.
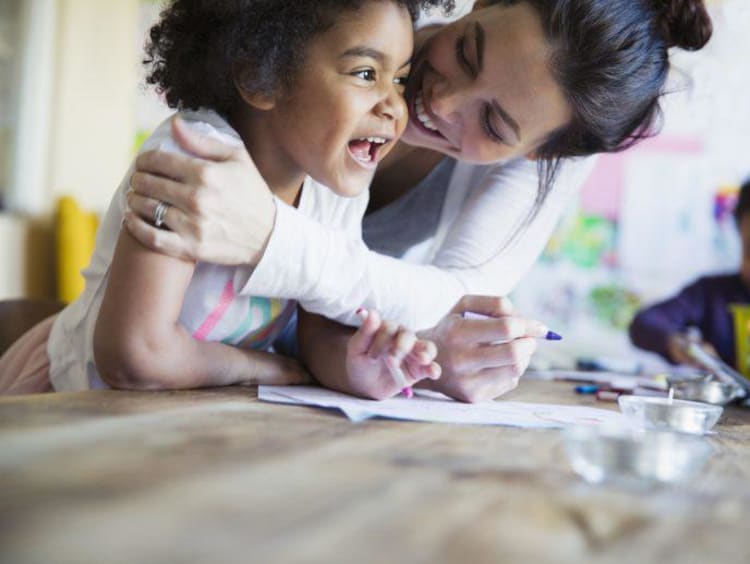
75	237
741	314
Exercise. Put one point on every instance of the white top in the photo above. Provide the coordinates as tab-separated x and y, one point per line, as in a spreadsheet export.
212	310
473	250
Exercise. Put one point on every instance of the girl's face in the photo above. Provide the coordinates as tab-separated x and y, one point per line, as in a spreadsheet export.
482	90
346	109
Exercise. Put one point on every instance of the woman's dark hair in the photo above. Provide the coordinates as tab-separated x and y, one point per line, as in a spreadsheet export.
200	49
743	202
610	58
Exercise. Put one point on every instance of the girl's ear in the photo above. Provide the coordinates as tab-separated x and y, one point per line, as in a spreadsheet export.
258	100
532	156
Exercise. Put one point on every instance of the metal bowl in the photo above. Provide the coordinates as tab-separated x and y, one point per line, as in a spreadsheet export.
669	414
716	393
634	458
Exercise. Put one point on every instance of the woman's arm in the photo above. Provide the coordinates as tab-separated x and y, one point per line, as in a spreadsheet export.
333	274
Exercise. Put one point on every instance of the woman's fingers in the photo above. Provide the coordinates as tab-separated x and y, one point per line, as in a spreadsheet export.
506	328
161	188
489	383
183	167
491	306
145	207
200	145
517	352
158	240
465	361
167	165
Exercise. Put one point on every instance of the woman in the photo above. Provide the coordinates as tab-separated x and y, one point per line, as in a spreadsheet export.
496	98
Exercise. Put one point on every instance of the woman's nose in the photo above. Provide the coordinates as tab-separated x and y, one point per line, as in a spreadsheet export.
446	102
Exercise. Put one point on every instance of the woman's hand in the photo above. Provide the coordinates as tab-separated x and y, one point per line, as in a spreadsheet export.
383	359
221	209
482	359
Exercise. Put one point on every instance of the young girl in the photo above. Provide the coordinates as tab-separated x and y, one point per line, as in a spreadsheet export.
664	328
309	88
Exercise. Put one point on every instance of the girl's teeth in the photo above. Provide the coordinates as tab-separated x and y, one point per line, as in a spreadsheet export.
422	116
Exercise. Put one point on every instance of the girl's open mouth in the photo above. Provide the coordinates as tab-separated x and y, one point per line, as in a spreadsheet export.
366	150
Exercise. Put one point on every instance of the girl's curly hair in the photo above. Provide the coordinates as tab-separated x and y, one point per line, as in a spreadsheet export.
199	48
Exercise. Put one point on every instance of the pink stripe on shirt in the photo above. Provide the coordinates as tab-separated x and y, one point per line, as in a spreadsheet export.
215	316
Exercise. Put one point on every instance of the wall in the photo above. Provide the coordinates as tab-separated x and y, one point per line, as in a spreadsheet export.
23	238
82	105
94	100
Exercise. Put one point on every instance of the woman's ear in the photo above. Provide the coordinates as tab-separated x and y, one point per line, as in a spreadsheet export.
532	156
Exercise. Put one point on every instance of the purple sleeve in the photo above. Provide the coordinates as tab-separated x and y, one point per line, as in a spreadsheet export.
652	327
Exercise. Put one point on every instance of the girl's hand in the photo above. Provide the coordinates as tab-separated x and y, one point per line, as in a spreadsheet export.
482	359
678	345
382	358
221	208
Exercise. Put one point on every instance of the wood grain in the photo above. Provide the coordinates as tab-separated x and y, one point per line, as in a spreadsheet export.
217	476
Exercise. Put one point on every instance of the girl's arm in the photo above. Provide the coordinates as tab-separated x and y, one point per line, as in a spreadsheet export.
376	361
662	327
140	344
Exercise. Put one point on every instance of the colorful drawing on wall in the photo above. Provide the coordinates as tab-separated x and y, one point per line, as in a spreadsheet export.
614	304
724	203
588	242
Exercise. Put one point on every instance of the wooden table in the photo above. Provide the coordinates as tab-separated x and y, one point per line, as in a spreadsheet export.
217	476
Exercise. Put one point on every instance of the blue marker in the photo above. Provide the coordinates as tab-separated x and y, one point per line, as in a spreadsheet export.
587	389
550	336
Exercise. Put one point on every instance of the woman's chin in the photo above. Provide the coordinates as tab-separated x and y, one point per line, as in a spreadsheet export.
416	138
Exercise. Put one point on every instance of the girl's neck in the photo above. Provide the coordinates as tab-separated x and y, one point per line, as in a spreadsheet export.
281	173
404	168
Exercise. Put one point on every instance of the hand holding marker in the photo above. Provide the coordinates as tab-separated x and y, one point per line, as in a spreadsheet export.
549	336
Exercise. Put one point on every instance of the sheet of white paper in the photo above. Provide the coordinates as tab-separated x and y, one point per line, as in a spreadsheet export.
431	407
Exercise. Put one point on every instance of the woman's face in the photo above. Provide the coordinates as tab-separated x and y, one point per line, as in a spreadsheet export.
481	89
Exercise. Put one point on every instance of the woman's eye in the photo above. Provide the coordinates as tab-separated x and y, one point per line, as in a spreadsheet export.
401	81
365	74
461	55
488	128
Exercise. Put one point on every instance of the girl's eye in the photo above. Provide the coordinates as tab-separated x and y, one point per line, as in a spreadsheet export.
401	81
488	128
365	74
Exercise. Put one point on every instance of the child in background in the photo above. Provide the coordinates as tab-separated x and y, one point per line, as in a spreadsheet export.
312	89
665	328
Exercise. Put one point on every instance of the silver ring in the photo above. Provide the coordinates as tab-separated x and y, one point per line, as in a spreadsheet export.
160	212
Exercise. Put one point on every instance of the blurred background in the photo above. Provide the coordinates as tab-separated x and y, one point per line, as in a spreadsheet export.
74	108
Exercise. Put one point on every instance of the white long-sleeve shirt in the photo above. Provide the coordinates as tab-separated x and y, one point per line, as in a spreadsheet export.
477	248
